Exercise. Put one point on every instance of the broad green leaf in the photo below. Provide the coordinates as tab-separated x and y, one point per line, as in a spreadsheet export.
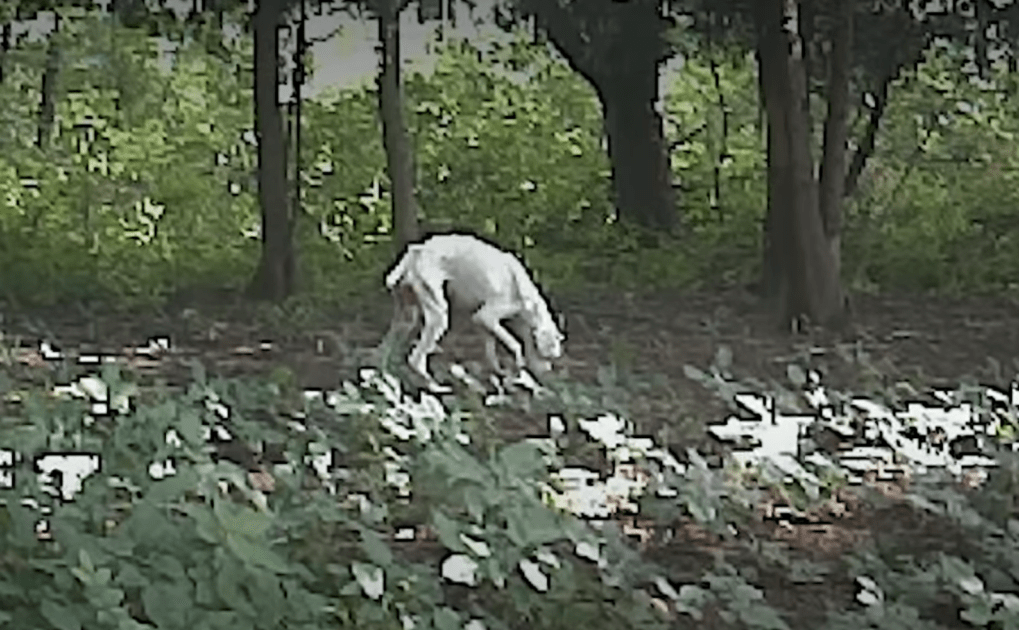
240	519
206	524
170	567
172	488
130	577
166	603
59	616
229	579
376	548
22	520
448	531
189	423
256	552
445	618
522	460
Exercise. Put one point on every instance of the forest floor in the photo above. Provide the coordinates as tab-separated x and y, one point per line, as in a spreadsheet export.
921	339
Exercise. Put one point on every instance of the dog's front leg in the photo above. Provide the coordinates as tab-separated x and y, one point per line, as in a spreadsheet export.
535	363
490	317
492	355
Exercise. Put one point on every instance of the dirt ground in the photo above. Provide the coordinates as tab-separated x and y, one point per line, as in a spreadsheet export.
922	339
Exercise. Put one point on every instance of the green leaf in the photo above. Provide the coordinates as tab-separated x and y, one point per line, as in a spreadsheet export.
85	561
104	597
189	424
60	617
543	525
130	577
445	618
256	552
242	520
448	531
205	588
376	548
206	525
166	603
170	567
521	460
228	585
172	488
22	520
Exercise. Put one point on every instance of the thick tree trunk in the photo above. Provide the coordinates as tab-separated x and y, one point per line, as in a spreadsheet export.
640	162
618	47
807	275
836	130
48	95
399	160
274	278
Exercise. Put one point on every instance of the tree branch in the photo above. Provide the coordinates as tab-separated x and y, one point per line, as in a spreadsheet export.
562	26
866	145
896	57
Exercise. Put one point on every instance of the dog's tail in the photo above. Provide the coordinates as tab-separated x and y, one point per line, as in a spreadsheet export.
400	270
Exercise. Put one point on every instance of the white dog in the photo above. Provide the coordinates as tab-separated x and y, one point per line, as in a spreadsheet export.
479	278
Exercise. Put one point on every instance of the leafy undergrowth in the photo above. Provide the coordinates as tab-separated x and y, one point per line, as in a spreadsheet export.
366	507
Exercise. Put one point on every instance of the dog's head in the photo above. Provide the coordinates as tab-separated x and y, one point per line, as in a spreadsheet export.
548	338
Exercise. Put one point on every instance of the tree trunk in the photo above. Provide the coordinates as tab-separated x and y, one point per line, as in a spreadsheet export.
836	130
807	275
275	276
399	161
618	47
640	162
5	47
47	99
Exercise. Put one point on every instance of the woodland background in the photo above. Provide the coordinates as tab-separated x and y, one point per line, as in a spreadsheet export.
183	252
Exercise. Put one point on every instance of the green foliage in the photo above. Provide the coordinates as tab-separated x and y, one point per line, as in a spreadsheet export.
724	230
202	548
149	183
134	192
940	185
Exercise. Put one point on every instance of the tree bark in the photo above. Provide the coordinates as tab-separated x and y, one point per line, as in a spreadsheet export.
5	47
641	172
617	47
274	278
47	99
836	129
807	277
399	159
